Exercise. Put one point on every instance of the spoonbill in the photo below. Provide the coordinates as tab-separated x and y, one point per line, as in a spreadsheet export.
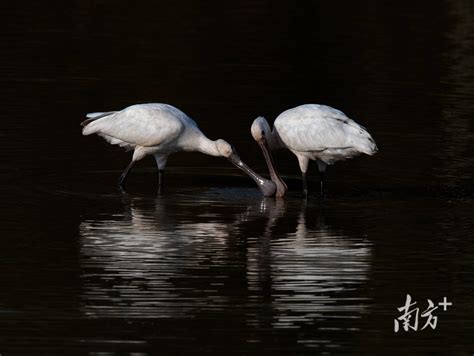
160	130
311	132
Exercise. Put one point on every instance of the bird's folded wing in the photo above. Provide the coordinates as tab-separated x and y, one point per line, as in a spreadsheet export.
138	127
318	133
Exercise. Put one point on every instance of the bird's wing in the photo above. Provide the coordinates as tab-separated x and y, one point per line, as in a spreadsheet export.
94	116
318	127
98	115
144	125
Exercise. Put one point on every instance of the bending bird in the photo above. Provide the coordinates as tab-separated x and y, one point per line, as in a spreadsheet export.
312	132
160	130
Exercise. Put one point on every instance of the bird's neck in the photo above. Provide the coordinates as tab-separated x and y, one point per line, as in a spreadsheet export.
207	146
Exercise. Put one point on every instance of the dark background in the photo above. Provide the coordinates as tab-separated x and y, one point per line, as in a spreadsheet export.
401	218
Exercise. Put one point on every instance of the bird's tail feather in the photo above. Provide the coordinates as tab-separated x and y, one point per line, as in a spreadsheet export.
369	147
95	115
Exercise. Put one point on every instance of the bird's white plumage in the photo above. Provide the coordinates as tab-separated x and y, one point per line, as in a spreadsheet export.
311	132
97	115
157	129
146	125
160	130
323	133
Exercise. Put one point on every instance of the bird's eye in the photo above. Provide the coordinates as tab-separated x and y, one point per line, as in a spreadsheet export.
263	133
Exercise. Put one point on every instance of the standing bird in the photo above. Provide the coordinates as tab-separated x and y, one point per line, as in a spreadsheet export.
160	130
312	132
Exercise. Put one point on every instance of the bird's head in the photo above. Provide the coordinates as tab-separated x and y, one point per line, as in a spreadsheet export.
259	129
224	148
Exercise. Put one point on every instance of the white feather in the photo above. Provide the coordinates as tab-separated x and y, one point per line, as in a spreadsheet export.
323	132
97	115
160	130
311	132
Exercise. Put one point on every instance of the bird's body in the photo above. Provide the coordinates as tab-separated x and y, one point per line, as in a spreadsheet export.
319	132
160	130
152	129
314	132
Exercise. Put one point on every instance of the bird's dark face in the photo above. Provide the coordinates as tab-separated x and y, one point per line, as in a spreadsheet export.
234	158
259	129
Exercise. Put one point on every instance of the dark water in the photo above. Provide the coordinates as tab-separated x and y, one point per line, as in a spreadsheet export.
210	266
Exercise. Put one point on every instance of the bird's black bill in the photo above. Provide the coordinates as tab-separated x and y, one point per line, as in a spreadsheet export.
280	184
267	187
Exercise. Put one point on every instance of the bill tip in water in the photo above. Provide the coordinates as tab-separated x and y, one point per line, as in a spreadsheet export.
268	188
281	189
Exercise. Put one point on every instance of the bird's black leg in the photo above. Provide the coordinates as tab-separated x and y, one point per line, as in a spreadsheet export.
305	185
161	174
123	177
322	170
321	178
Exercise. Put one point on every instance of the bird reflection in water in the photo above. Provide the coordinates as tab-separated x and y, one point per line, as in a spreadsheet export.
182	256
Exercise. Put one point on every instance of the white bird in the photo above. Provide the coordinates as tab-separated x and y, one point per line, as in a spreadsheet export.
312	132
160	130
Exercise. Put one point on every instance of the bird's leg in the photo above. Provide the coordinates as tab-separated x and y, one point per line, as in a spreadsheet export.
161	173
123	177
303	162
322	170
161	160
321	178
305	185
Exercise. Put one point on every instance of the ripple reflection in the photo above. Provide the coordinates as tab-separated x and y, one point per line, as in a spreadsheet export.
173	257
